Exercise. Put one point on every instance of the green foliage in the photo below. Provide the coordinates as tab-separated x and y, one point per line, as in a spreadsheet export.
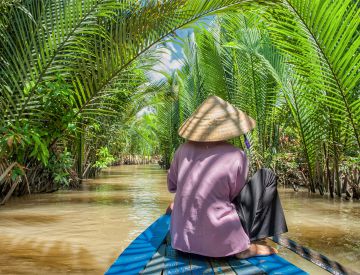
239	67
91	44
60	166
66	66
331	44
6	7
21	140
58	104
104	158
255	82
16	172
72	75
25	139
294	71
320	84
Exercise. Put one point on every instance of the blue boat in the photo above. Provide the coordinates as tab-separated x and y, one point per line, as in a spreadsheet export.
151	253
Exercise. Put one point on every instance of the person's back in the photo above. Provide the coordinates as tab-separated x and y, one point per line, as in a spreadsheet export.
207	174
206	177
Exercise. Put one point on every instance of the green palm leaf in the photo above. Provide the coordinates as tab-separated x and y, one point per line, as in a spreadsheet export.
89	43
322	40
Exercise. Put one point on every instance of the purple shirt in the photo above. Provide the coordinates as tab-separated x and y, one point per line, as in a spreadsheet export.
206	177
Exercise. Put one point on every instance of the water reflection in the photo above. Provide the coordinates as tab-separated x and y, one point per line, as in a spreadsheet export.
83	231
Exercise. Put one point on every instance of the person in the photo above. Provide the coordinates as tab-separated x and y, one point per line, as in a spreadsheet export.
216	211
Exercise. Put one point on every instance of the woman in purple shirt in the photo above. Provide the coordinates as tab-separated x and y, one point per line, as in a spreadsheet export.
216	212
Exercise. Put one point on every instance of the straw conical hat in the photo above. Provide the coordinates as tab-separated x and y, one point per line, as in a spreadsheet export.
216	120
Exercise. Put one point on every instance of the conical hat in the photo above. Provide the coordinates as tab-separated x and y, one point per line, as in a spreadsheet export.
216	120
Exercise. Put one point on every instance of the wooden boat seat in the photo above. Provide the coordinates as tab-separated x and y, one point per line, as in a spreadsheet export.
151	253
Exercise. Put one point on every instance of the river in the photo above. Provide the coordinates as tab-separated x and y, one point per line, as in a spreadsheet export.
83	231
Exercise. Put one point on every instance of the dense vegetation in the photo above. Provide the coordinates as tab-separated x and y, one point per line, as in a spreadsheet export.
76	96
302	87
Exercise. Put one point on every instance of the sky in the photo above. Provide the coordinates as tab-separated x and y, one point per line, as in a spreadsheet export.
170	56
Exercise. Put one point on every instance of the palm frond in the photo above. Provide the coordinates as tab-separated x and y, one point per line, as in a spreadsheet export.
89	43
323	46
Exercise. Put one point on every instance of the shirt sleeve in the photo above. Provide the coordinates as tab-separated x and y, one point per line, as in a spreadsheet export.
241	176
172	174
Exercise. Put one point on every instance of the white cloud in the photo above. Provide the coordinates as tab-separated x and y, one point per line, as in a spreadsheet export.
155	76
171	47
167	62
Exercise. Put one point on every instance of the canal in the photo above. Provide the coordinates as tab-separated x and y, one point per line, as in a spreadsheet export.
83	231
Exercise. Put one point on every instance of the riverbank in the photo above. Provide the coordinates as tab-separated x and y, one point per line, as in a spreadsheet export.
83	231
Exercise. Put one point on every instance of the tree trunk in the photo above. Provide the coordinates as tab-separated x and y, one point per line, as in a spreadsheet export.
336	172
12	189
80	154
330	180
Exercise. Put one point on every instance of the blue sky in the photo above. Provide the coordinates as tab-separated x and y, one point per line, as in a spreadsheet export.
169	58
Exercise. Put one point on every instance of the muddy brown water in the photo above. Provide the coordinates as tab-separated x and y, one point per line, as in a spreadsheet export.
84	231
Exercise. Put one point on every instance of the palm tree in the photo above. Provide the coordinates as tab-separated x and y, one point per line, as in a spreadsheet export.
230	67
89	49
284	58
322	47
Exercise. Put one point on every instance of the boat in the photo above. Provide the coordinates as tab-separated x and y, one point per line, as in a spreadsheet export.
151	253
